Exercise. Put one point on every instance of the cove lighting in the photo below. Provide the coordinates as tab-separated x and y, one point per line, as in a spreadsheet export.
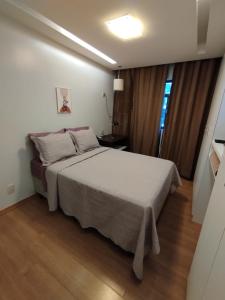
29	11
126	27
85	45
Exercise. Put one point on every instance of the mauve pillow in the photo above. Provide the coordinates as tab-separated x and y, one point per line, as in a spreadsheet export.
54	147
84	139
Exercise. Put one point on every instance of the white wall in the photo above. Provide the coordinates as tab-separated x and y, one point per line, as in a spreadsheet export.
220	126
203	181
30	69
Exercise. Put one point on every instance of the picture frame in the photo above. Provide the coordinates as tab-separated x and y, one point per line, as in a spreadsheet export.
63	98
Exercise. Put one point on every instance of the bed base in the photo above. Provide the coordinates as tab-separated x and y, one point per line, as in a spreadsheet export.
39	188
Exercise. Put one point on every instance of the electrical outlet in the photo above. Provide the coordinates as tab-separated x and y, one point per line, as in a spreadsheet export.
11	189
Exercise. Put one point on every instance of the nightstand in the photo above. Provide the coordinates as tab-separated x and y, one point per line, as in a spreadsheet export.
114	141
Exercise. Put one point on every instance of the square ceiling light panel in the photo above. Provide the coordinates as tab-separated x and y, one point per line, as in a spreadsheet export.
126	27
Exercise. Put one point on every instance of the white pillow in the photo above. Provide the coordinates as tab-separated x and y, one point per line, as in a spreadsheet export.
54	147
85	139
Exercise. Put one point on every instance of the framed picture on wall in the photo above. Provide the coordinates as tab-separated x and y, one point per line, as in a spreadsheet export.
63	98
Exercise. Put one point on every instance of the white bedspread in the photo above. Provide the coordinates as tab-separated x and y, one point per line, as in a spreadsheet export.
119	193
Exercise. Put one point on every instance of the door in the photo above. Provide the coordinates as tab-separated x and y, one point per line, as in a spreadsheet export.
210	240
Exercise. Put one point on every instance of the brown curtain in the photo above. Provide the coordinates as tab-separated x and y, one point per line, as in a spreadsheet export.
137	109
148	90
190	100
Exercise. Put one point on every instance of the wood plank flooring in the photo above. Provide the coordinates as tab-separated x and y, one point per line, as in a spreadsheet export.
48	256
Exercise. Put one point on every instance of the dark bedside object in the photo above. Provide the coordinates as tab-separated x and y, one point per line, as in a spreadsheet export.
220	141
114	141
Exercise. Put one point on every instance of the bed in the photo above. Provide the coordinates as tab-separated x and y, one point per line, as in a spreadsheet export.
118	193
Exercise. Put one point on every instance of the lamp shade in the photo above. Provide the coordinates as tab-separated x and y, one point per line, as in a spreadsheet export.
118	84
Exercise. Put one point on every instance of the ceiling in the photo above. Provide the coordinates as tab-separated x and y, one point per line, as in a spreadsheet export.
170	34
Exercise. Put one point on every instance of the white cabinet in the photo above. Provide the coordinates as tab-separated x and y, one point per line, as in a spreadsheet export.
209	258
215	288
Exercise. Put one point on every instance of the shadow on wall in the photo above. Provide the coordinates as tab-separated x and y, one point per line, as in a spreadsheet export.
25	183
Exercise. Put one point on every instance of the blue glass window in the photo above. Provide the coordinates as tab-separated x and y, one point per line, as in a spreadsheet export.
168	87
167	91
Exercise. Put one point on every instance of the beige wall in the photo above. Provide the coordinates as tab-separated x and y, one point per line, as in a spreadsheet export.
30	69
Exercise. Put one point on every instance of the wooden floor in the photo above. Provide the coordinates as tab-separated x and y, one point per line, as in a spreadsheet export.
48	256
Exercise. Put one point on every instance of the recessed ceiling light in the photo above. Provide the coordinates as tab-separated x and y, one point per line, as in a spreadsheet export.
126	27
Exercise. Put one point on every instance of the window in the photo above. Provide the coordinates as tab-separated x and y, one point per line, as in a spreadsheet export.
165	104
166	96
